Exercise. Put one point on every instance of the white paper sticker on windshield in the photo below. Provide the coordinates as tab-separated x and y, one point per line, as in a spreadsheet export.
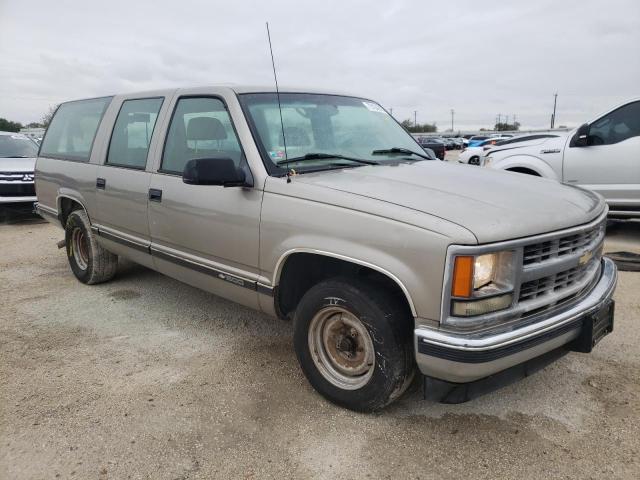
374	107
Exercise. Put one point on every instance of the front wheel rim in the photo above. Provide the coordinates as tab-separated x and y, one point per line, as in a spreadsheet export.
341	348
80	248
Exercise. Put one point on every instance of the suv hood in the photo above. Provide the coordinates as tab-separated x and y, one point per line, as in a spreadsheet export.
22	165
493	205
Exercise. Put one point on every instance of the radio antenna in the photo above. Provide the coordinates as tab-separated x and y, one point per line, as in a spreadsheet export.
275	77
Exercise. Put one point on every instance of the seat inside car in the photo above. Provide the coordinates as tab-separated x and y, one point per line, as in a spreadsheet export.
202	137
204	129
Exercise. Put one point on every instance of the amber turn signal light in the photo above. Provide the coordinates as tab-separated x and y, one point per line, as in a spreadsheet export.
462	276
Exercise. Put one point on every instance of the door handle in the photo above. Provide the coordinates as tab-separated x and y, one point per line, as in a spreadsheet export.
155	195
101	183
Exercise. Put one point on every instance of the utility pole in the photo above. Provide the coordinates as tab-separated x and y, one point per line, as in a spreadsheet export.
452	114
553	116
415	118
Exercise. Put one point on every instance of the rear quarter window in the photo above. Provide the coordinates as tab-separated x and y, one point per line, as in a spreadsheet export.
73	129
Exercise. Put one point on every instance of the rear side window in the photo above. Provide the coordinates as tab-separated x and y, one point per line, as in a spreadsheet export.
200	128
73	128
132	133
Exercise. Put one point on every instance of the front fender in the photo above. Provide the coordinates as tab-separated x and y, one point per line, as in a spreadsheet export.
412	256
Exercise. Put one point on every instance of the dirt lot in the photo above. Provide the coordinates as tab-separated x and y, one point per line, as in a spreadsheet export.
145	377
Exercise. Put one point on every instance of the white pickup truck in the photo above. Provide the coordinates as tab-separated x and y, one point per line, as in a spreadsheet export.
602	155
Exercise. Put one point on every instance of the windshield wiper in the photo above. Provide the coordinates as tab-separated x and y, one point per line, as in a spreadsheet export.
16	156
406	151
320	156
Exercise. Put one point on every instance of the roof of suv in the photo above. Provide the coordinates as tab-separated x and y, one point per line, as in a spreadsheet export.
239	89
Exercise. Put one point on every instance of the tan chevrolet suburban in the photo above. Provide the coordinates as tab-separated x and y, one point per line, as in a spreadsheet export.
327	212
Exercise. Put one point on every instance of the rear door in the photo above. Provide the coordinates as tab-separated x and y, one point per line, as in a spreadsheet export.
205	235
610	164
122	181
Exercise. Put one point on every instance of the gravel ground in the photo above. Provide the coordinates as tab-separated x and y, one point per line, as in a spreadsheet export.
145	377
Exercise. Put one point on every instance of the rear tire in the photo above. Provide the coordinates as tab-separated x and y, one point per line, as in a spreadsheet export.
89	261
354	342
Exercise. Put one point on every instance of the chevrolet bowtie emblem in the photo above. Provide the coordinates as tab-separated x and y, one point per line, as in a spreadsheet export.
585	258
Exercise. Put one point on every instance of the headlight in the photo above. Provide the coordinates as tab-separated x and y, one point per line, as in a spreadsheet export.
482	283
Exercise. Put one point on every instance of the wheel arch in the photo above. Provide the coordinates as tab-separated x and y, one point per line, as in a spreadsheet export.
335	263
519	163
68	203
525	170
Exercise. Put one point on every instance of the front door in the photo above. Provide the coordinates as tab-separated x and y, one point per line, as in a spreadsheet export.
205	235
610	163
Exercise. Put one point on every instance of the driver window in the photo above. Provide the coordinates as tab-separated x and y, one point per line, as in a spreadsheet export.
200	128
616	126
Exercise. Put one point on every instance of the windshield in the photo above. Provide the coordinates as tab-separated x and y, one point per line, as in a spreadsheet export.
12	146
319	126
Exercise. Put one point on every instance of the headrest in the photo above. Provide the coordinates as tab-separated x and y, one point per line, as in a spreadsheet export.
205	128
296	137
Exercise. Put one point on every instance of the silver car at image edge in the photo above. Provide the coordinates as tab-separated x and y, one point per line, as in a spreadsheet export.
17	162
320	208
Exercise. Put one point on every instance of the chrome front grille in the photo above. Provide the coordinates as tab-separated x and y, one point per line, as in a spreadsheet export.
15	176
554	283
563	245
560	267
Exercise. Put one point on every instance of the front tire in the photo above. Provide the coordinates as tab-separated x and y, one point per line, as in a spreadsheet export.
354	342
89	261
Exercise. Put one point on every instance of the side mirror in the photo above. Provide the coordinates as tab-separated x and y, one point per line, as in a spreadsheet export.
581	137
214	171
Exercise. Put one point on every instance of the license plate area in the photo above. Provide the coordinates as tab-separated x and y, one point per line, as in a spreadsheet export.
595	327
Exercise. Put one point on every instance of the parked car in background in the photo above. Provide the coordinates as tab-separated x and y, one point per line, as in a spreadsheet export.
449	143
430	153
501	135
459	141
472	155
385	261
602	155
435	145
476	140
17	161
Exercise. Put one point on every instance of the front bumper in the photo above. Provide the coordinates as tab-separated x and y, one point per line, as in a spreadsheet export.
18	199
461	358
17	192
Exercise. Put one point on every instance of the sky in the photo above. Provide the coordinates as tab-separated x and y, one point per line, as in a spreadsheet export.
480	58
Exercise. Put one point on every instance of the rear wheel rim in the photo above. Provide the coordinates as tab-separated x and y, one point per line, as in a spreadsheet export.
341	348
80	248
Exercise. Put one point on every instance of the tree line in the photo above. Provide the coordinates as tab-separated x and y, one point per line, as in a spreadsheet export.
10	126
420	127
